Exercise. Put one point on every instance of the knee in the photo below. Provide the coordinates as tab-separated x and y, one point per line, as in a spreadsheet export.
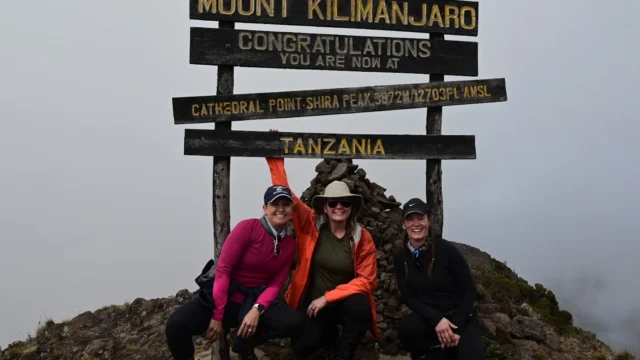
411	326
174	325
295	321
358	306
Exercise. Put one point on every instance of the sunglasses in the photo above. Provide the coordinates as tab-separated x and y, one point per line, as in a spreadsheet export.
333	203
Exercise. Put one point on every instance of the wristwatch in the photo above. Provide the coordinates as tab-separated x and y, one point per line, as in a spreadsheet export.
259	307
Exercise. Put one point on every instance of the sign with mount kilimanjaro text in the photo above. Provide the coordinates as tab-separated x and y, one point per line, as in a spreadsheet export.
424	16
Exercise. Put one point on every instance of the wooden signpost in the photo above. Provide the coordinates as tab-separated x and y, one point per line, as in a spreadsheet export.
287	104
267	49
227	48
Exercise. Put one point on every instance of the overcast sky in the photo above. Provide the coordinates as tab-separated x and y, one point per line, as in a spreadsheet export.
98	204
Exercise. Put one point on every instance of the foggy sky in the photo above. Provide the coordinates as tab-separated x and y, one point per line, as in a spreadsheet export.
98	205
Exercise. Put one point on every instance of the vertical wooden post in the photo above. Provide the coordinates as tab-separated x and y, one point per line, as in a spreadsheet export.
434	167
221	190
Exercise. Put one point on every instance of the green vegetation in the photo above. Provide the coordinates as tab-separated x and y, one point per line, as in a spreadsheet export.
492	351
506	288
14	354
625	355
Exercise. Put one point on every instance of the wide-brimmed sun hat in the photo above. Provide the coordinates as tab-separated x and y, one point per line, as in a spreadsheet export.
337	189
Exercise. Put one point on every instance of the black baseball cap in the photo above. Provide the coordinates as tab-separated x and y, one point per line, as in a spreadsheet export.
415	205
276	191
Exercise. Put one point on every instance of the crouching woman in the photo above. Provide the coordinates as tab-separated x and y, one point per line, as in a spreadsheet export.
336	271
436	284
253	265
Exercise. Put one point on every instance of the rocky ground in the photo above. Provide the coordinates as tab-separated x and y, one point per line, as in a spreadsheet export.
520	321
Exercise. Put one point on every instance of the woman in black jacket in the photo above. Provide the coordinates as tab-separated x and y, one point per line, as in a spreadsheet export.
435	283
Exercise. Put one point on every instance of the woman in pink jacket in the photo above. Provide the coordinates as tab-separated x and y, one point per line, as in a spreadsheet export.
254	263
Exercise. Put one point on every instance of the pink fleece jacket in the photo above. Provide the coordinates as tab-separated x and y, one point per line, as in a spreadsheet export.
247	257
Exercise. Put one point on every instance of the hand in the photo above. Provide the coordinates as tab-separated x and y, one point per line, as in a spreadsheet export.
273	130
249	324
213	332
316	306
446	336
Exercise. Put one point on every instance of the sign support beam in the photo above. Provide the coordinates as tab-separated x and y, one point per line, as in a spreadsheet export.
221	190
434	166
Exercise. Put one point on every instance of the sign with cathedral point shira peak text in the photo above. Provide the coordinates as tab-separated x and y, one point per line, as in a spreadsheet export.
303	103
316	145
271	49
423	16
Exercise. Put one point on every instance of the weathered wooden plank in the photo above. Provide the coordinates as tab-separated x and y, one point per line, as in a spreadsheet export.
270	49
434	166
424	16
322	145
287	104
220	182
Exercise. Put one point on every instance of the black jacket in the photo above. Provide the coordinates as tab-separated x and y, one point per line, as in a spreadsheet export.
451	291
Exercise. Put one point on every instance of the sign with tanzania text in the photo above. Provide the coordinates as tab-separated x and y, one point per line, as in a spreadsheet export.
425	16
202	109
314	145
266	49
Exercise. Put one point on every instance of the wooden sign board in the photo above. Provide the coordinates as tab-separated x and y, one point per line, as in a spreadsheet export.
314	145
203	109
267	49
424	16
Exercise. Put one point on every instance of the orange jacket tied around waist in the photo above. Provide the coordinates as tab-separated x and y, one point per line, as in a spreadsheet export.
307	224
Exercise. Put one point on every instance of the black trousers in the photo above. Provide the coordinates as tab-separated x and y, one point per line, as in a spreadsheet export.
417	337
193	317
353	313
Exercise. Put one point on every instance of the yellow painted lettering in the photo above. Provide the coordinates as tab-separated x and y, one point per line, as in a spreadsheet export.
315	147
335	14
204	111
423	19
435	16
230	10
364	11
287	140
299	147
451	13
313	5
194	110
472	15
402	14
344	147
269	7
378	147
382	8
326	150
358	145
207	5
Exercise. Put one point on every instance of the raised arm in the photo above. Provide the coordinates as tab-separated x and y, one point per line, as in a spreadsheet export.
303	216
366	279
230	255
425	311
